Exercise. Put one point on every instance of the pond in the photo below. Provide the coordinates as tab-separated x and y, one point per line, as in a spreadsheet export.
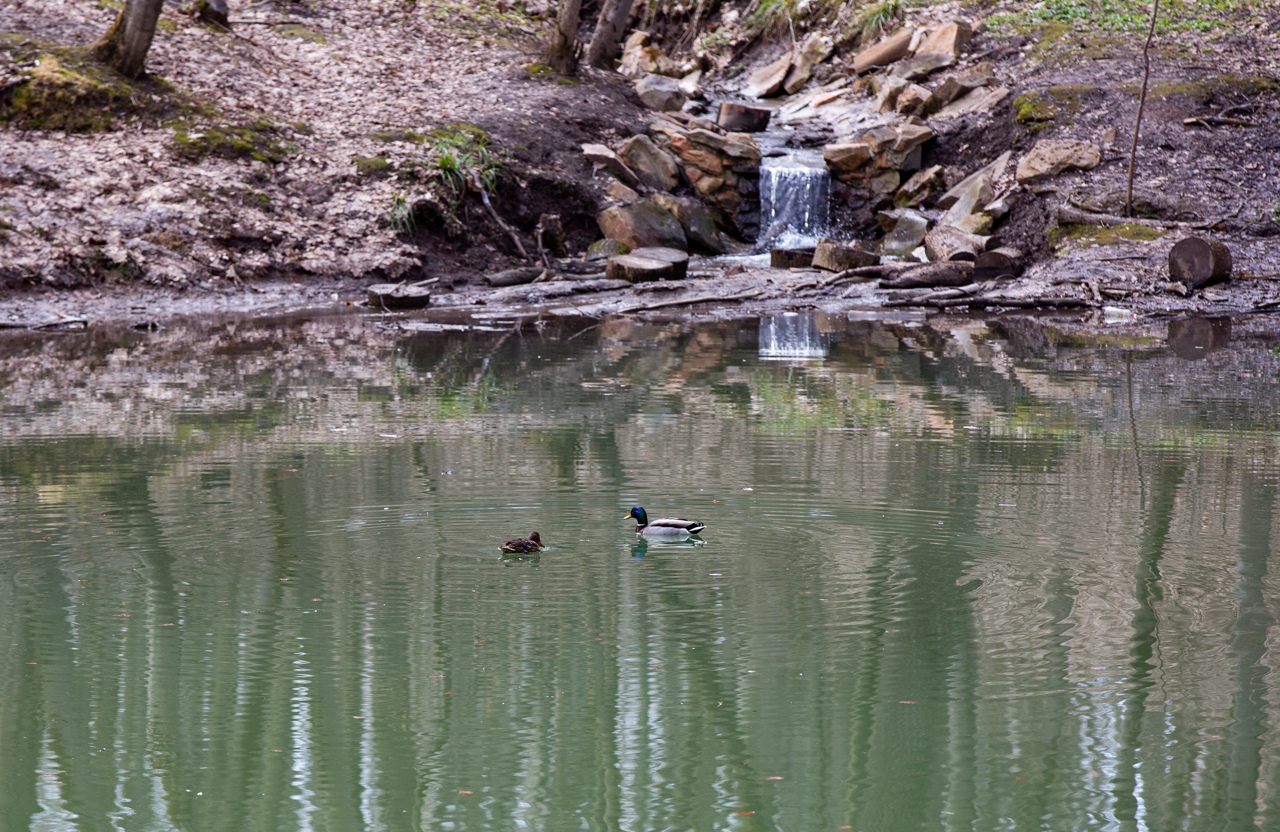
972	575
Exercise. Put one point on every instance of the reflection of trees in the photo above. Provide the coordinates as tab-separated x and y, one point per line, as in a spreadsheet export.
907	637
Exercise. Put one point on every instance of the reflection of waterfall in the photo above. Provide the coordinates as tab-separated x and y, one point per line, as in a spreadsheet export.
796	191
791	335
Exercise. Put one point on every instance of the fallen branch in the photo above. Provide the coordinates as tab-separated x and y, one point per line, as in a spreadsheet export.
1069	215
691	301
484	197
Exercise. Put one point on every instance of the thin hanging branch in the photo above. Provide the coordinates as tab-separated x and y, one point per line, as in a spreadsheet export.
1142	103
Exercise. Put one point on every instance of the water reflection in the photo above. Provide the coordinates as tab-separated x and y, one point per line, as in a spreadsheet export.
263	590
1195	338
791	335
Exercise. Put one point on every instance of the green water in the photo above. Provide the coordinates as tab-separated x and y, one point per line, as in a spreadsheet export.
976	578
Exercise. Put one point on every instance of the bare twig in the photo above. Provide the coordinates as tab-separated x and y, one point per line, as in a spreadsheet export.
1142	103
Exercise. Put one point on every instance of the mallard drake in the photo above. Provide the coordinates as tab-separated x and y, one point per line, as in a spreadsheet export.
664	525
524	545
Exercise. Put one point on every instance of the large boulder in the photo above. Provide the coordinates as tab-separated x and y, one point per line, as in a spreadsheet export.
948	40
847	157
894	48
642	223
640	58
1050	157
973	192
815	49
655	166
768	81
696	220
603	158
659	92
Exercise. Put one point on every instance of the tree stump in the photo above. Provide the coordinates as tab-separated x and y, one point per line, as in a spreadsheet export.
739	118
999	262
678	259
1198	262
398	296
635	269
790	258
834	256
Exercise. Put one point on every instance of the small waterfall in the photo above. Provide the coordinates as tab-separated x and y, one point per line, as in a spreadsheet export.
791	335
795	190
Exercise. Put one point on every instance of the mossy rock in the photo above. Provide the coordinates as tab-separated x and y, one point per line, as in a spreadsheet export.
1038	109
372	166
258	140
606	248
71	93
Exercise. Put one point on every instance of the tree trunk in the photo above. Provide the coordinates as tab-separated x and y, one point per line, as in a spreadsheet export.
608	34
562	53
124	46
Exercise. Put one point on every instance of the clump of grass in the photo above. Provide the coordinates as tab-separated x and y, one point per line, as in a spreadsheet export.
401	216
458	156
878	18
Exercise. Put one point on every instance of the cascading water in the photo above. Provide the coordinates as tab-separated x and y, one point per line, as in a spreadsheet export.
795	197
791	335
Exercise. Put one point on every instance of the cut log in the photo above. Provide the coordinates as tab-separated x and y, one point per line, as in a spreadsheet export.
885	52
634	269
1197	262
998	262
398	296
956	273
678	259
947	243
739	118
835	256
791	258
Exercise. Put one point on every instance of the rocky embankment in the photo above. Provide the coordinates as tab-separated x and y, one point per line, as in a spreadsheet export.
964	181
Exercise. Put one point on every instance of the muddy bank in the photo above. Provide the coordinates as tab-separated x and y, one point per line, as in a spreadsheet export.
292	164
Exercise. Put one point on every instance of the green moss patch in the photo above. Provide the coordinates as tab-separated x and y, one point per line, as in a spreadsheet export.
70	92
1203	90
1083	235
299	32
1038	109
374	166
259	140
408	136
